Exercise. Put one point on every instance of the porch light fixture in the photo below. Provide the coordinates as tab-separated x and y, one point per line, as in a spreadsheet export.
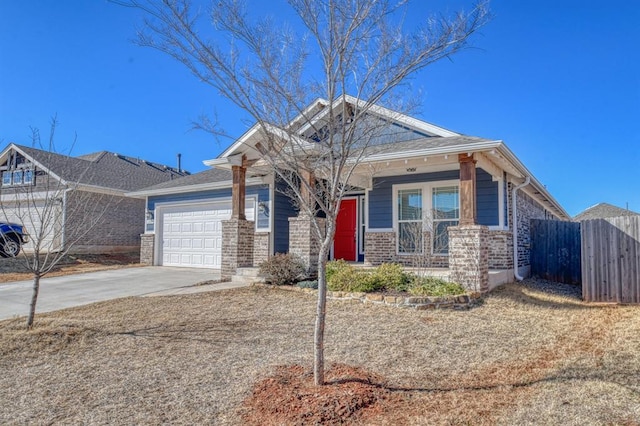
446	156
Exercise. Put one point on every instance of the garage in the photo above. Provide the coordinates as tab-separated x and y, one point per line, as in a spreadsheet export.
191	235
42	222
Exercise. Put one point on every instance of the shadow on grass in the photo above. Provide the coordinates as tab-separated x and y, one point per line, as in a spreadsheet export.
533	297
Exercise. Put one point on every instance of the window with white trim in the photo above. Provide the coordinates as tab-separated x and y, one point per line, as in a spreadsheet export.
445	212
6	178
424	207
409	220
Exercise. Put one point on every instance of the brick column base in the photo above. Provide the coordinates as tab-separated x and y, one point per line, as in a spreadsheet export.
146	249
237	246
303	241
469	256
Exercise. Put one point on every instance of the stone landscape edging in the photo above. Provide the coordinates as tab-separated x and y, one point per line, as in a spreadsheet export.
458	302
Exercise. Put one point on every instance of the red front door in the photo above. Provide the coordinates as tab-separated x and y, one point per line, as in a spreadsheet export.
344	243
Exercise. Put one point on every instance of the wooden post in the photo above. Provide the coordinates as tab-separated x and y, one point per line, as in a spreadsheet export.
306	191
238	192
467	189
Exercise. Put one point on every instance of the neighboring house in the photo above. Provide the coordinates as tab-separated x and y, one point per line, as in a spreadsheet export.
58	197
411	170
602	211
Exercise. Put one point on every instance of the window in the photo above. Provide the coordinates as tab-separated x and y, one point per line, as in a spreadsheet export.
446	212
28	177
424	207
6	178
410	221
17	177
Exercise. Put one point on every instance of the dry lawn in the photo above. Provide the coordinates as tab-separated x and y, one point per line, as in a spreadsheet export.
14	269
522	357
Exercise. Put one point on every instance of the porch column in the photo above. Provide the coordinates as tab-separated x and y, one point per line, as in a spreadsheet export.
305	191
467	189
238	191
237	232
469	256
303	241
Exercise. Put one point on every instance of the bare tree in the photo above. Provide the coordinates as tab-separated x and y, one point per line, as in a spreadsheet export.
55	212
273	74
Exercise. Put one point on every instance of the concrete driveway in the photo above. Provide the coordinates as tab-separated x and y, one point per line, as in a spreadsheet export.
81	289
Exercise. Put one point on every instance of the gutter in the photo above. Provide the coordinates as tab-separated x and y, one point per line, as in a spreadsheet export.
514	221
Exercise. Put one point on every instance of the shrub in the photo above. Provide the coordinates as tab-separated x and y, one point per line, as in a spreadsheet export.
342	276
308	284
432	286
335	266
282	269
391	276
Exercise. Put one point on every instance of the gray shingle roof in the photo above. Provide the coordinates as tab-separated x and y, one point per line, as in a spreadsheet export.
104	169
207	176
425	143
601	211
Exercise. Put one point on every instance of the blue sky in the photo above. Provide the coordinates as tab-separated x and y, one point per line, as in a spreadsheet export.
558	81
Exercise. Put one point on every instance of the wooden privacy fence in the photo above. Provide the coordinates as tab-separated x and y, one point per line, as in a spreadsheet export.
611	259
555	250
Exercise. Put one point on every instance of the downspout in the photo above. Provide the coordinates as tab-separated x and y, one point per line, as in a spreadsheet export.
514	222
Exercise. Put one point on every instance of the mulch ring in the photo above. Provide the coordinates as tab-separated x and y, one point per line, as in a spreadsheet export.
290	397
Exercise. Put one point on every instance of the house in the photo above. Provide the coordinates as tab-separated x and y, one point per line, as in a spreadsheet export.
602	211
80	200
234	215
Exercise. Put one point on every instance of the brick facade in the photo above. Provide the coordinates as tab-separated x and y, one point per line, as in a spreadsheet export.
101	223
380	247
237	246
500	250
260	247
303	241
469	256
146	248
527	209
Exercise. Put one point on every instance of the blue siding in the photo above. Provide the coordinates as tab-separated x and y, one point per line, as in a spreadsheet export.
381	196
284	209
487	199
261	191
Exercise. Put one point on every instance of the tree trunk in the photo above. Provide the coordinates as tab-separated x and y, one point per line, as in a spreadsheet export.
321	313
34	299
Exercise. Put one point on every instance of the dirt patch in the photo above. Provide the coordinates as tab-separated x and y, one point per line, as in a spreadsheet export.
15	269
290	397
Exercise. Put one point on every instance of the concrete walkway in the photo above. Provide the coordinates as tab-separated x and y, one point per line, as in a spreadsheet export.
81	289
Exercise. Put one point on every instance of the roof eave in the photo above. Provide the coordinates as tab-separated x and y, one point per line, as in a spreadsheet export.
191	188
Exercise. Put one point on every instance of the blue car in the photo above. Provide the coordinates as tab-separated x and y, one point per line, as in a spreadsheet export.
12	236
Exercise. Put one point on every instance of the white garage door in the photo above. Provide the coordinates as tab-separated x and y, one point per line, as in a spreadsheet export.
42	222
191	235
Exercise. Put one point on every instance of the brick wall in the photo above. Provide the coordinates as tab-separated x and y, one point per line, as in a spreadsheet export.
303	241
146	248
500	250
380	247
527	209
237	246
469	256
261	250
102	223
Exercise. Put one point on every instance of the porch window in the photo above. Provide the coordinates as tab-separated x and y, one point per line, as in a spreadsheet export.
446	212
410	221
